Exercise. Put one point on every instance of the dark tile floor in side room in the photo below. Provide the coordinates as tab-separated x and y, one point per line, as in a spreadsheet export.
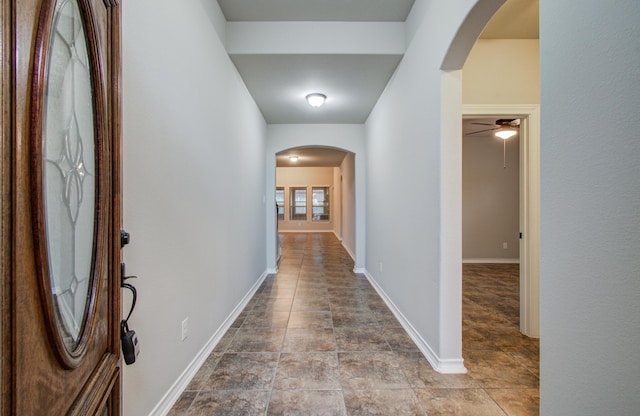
316	339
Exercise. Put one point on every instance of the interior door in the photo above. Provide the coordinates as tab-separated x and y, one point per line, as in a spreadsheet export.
60	207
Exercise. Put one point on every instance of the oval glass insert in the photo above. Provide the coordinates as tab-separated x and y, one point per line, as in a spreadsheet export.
69	171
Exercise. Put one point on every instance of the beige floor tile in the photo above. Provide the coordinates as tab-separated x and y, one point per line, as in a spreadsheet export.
308	371
306	403
458	402
517	402
397	402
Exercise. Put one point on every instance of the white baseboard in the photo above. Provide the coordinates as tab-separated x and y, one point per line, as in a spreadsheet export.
486	260
444	366
173	394
349	252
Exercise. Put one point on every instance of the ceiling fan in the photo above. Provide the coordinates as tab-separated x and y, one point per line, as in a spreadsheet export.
502	124
504	128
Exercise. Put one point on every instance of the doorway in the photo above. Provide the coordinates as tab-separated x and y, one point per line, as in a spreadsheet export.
528	205
61	211
349	138
315	192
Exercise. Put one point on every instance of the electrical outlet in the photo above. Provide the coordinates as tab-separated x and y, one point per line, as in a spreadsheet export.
505	245
185	328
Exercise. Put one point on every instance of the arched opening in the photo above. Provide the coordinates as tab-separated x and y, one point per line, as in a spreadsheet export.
451	142
315	146
315	192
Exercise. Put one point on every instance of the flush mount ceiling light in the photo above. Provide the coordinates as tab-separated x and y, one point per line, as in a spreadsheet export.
505	133
316	99
293	158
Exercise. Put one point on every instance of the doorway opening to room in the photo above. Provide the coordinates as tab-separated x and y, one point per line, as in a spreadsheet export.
315	193
501	198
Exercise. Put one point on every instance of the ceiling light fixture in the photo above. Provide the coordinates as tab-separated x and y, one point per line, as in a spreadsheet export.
293	158
505	133
316	99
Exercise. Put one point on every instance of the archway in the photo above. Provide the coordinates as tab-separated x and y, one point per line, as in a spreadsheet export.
451	159
315	192
348	138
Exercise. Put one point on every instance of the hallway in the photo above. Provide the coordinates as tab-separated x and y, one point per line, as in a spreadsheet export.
318	340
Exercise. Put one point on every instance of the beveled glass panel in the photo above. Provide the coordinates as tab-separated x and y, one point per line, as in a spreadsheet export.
69	171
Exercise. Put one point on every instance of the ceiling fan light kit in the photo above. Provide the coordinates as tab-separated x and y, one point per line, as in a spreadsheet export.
504	128
505	133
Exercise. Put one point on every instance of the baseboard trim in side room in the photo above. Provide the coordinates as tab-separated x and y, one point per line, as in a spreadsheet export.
488	261
304	231
444	366
173	394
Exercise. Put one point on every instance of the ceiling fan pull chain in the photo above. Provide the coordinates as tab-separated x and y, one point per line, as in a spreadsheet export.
504	154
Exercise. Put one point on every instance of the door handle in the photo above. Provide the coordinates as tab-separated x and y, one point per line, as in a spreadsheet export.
128	338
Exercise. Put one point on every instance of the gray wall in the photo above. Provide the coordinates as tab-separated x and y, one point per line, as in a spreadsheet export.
348	171
194	145
590	221
406	199
490	199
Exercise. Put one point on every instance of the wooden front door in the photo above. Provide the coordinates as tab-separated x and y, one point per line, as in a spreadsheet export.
60	207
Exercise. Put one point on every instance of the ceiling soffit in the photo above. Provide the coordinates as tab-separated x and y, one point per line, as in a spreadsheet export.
348	50
311	157
314	10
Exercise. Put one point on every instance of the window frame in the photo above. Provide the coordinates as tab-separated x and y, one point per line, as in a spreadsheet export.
278	206
325	206
293	206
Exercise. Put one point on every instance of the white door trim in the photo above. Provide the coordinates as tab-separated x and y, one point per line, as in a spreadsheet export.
529	206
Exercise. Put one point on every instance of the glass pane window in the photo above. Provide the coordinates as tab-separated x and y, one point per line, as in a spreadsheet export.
320	205
298	204
280	203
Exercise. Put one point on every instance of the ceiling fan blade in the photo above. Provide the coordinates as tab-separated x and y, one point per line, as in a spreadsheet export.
481	131
484	124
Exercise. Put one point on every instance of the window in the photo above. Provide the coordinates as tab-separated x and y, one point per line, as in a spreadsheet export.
320	206
280	203
298	202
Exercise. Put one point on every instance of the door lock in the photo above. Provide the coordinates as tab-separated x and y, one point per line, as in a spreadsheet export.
125	238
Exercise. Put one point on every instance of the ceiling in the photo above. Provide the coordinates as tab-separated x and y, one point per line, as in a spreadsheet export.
516	19
311	157
348	50
315	10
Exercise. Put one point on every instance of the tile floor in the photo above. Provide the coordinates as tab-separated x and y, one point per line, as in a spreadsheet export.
317	340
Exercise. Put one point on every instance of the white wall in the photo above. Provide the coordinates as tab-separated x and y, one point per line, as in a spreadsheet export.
194	145
404	196
590	223
348	137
